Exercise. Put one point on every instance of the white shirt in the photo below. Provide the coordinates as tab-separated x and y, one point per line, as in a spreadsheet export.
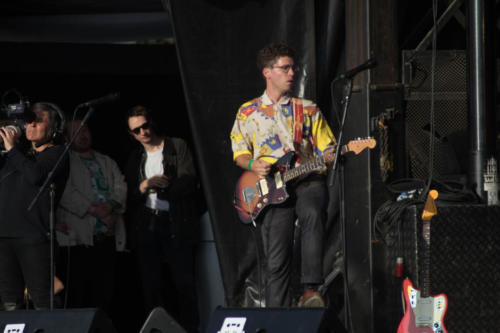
154	166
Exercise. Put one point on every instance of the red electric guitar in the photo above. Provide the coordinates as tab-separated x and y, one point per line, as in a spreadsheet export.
424	313
253	194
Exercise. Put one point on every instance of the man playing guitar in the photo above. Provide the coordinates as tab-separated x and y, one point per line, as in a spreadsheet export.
266	128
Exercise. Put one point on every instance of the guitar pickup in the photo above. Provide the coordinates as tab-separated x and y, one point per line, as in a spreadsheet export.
278	180
263	188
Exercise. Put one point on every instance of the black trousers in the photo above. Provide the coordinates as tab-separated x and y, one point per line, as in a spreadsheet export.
161	251
88	273
308	203
24	262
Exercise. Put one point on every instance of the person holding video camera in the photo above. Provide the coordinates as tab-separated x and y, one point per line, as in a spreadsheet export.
24	235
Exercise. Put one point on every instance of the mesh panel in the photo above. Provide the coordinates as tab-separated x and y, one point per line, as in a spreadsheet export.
450	75
450	110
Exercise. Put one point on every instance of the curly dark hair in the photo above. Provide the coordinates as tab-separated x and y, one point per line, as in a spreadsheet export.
270	53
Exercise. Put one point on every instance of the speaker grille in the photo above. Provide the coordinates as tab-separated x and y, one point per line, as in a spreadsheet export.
450	109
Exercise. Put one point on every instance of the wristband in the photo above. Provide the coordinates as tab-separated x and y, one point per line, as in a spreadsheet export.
250	165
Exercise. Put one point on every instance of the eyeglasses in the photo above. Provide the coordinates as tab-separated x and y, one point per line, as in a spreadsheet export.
144	126
286	68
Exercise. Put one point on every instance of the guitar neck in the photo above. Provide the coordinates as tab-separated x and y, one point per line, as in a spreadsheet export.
426	259
315	164
430	210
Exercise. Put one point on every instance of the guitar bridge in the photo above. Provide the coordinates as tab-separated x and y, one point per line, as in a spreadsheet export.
248	194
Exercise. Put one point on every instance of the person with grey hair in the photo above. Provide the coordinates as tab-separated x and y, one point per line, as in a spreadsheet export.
90	223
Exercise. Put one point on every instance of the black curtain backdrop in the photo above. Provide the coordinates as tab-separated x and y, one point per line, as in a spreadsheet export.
217	42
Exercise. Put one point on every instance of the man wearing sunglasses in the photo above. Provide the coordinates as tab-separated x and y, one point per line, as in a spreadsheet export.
162	216
266	128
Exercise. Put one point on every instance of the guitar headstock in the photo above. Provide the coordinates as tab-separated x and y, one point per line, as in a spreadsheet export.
360	144
430	208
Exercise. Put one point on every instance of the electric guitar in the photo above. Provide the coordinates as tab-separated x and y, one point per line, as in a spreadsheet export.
253	193
424	312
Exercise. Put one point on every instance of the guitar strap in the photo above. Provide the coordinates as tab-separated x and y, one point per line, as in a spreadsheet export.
298	125
298	115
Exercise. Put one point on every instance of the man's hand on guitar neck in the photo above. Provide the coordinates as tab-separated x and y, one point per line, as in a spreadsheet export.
329	154
259	167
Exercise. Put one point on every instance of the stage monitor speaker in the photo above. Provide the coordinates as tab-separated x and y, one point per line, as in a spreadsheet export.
56	321
267	320
159	321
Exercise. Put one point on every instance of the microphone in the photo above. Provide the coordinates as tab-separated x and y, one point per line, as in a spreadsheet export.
101	100
370	63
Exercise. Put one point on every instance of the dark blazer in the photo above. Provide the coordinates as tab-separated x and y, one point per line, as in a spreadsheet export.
182	192
21	176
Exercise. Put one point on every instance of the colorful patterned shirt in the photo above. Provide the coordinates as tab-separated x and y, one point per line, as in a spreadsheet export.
265	130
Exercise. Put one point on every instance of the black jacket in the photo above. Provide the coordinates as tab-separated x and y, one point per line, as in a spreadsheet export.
178	166
21	176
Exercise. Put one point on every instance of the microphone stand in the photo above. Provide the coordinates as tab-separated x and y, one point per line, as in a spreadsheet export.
46	183
347	91
345	104
372	62
348	76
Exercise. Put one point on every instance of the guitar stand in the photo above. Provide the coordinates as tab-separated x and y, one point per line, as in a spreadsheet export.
337	270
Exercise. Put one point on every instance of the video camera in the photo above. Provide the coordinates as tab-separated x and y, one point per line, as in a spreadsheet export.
15	110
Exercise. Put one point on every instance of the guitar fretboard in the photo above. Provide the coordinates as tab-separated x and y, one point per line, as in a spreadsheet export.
315	164
426	259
